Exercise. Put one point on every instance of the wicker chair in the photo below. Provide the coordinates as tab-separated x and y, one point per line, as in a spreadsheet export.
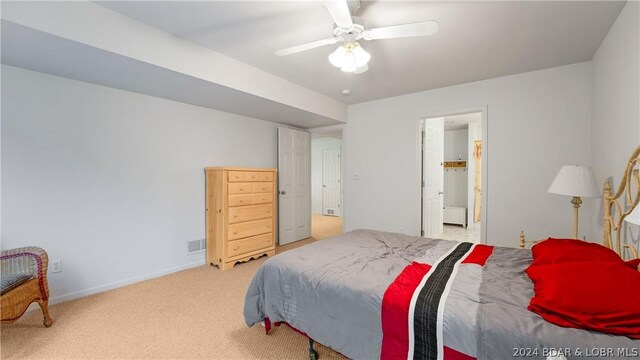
24	280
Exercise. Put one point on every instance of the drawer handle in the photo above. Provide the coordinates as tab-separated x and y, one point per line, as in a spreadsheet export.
235	232
235	215
241	200
235	248
268	226
241	189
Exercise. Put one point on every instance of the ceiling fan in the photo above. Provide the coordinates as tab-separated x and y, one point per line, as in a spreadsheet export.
350	56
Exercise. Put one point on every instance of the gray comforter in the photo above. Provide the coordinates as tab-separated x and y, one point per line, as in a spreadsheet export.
333	289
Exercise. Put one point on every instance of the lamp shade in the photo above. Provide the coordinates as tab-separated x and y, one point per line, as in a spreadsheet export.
337	57
574	180
634	217
349	62
362	69
361	56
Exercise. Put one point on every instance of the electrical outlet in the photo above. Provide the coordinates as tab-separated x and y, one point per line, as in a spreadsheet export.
356	176
56	266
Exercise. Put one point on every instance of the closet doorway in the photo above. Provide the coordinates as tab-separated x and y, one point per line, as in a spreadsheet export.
452	177
326	183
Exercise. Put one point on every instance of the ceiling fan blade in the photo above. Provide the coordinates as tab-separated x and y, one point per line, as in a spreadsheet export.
399	31
307	46
340	13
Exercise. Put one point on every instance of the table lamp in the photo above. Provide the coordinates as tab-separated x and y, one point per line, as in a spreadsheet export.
577	182
634	217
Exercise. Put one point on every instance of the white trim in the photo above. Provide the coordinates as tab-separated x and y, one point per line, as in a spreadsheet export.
121	283
484	225
414	299
293	127
322	190
343	164
328	128
484	109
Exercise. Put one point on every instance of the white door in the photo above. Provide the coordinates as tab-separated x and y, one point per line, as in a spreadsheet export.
331	182
294	182
433	176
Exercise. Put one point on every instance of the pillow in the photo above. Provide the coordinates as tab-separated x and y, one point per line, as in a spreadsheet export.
585	285
553	251
633	264
603	296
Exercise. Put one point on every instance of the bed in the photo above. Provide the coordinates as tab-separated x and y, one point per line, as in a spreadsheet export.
353	292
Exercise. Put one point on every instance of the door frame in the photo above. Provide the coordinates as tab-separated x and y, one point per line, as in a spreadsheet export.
343	164
339	181
484	109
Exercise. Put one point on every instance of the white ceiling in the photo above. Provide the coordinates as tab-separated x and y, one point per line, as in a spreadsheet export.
476	40
462	121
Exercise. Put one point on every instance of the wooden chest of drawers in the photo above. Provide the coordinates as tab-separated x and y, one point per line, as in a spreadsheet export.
241	214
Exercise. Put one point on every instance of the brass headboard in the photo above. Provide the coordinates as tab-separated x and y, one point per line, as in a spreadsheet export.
614	221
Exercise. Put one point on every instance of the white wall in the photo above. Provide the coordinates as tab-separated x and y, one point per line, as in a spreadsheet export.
537	122
455	180
317	145
456	143
615	107
109	181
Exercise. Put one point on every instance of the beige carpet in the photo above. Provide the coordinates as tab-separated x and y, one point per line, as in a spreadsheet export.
193	314
323	227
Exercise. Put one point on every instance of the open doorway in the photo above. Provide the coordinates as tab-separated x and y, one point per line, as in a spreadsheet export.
452	177
326	184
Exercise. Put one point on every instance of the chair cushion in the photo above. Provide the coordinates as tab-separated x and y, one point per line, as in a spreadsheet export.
11	281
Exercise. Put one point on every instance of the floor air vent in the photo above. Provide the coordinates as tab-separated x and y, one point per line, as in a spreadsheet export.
197	245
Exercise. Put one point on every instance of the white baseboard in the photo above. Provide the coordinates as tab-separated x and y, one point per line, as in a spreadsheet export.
121	283
321	214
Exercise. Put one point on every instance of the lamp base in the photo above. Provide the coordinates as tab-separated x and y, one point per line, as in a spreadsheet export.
576	201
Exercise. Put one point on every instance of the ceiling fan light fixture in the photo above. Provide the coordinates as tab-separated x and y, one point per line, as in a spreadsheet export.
349	62
362	69
337	57
350	57
348	30
362	57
